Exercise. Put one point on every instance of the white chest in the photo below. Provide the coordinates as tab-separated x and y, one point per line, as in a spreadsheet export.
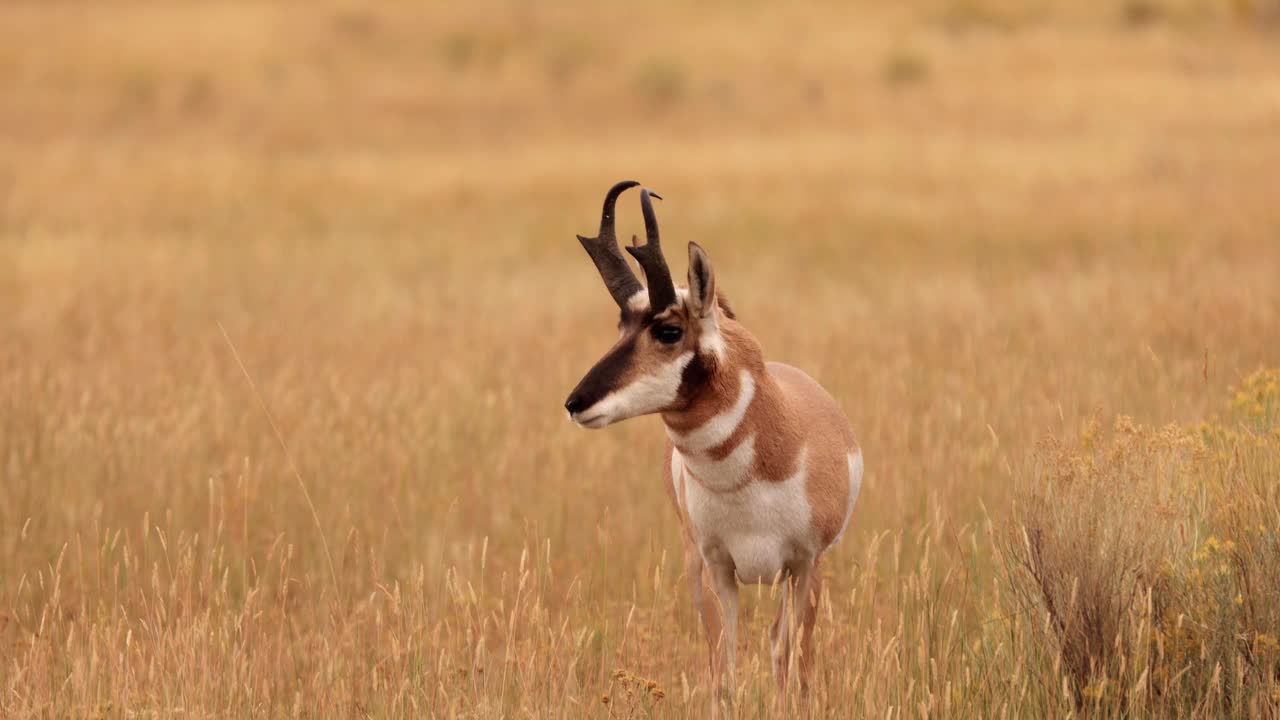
763	526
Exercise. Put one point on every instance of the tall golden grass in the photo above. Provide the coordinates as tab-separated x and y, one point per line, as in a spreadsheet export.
1030	248
1150	564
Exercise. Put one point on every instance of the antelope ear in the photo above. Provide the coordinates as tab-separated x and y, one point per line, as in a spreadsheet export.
702	282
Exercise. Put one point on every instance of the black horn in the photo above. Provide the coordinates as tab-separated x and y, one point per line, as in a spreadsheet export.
662	291
603	249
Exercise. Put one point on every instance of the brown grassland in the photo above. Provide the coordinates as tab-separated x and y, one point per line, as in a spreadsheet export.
1032	249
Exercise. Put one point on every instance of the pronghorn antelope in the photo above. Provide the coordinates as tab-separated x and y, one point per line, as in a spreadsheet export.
760	462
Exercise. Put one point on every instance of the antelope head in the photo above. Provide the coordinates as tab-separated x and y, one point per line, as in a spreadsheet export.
669	342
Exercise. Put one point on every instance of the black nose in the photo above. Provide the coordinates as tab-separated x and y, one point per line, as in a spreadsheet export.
575	404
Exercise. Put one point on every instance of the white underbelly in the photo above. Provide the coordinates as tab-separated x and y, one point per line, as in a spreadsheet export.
759	558
763	526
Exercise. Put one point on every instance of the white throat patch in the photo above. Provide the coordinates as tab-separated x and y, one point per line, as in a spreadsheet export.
719	428
729	473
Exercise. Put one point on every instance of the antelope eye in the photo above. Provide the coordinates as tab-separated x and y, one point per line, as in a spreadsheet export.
668	334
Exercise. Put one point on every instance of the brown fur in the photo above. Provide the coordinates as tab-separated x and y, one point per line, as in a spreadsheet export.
721	389
789	414
830	440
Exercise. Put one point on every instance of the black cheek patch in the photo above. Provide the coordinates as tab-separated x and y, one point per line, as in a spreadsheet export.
695	375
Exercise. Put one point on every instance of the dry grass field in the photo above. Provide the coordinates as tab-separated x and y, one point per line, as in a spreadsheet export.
1032	249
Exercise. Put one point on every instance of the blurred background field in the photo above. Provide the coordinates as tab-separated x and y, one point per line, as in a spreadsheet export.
980	224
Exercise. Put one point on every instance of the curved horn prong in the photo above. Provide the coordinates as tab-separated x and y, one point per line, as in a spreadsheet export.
662	291
603	249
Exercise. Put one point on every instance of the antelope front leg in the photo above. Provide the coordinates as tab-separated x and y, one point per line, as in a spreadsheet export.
726	586
805	592
708	609
780	635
